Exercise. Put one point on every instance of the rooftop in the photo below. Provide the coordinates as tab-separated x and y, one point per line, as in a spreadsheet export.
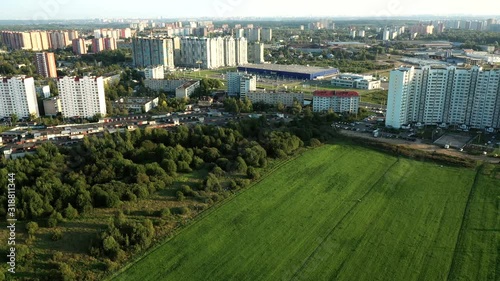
342	94
288	68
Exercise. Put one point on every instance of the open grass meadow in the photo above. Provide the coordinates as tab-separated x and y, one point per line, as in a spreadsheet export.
343	213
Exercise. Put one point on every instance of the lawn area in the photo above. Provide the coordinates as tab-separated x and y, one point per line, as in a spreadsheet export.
342	213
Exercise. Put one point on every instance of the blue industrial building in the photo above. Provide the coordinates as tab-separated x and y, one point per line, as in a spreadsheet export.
298	72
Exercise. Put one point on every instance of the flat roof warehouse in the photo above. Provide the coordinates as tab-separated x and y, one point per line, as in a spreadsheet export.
289	71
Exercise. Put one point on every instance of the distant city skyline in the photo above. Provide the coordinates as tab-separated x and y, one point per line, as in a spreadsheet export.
66	9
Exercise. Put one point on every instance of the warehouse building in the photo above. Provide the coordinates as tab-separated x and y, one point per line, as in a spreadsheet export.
299	72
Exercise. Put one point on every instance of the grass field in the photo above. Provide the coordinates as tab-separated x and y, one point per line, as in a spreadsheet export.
343	213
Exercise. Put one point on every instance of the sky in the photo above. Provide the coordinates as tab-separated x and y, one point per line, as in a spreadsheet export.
68	9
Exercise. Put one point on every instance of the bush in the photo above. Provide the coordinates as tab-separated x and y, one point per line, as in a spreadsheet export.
180	196
186	190
54	219
183	167
314	142
56	235
253	173
165	213
32	228
70	212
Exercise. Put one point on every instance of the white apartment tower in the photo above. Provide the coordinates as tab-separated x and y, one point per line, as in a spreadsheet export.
217	52
449	95
209	53
18	96
229	51
241	51
82	97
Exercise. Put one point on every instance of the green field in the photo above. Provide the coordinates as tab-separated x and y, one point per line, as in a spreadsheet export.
343	213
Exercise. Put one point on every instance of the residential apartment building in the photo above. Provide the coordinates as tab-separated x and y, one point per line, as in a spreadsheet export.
97	45
196	52
266	35
37	40
79	46
241	51
136	104
274	98
187	89
153	51
256	53
163	84
18	96
449	95
229	51
338	101
356	81
82	97
240	83
210	53
46	64
253	34
154	72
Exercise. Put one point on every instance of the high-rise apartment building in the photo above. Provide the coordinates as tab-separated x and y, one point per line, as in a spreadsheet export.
253	34
241	51
18	96
153	51
46	64
266	35
82	97
256	52
449	95
110	44
229	51
196	52
79	46
97	45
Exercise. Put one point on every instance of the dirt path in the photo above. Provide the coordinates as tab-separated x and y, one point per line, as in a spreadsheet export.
421	146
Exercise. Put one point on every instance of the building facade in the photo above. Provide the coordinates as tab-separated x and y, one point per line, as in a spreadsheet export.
241	51
52	106
356	81
154	72
153	51
18	96
46	64
184	91
240	83
256	53
79	46
449	95
274	98
82	97
337	101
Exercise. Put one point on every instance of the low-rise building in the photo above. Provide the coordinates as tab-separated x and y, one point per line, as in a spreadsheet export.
338	101
163	84
205	101
186	89
52	106
274	98
154	72
136	104
356	81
